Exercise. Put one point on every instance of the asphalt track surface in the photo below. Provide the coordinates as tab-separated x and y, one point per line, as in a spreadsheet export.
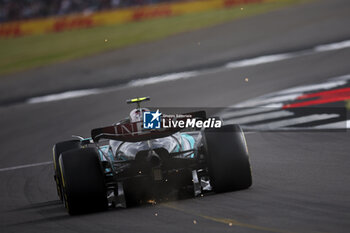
301	179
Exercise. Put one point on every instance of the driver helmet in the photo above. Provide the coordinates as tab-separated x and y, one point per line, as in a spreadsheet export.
137	114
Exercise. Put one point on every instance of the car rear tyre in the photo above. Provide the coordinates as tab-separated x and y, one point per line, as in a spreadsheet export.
83	183
58	149
228	158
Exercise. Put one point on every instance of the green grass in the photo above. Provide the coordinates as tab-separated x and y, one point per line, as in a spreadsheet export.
33	51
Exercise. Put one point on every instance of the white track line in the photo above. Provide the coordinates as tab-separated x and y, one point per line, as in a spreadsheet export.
64	95
333	46
259	117
313	87
294	121
248	111
24	166
271	100
163	78
259	60
189	74
335	125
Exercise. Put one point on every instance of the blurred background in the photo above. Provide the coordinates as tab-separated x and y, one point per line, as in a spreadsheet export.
35	34
28	9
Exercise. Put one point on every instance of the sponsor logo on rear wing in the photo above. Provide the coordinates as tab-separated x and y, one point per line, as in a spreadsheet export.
151	128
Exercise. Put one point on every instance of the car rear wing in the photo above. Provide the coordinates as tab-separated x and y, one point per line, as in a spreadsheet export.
134	132
123	133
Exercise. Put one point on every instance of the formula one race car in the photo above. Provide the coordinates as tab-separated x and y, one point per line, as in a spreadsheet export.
126	164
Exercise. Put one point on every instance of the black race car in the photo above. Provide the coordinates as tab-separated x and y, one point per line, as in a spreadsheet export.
126	164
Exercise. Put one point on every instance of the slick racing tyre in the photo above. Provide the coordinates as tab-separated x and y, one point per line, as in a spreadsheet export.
83	183
227	158
58	149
